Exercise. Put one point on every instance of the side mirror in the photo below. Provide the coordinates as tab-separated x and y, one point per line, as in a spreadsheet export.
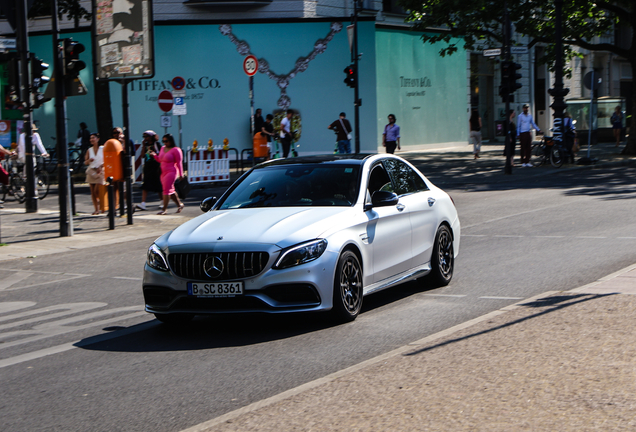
207	204
383	199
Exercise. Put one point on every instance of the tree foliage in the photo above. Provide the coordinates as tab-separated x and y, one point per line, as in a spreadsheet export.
479	24
71	8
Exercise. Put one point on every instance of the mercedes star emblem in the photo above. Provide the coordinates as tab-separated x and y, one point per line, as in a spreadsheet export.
213	267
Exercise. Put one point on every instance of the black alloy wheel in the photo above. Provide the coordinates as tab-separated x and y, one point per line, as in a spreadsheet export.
347	288
443	258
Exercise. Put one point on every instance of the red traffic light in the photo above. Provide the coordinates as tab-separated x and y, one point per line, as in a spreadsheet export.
350	79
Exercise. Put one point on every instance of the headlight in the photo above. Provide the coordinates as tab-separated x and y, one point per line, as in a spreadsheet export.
301	254
156	258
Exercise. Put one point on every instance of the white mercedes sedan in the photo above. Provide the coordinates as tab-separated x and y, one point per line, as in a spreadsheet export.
303	235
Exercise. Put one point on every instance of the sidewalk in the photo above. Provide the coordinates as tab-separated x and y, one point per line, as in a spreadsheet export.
560	361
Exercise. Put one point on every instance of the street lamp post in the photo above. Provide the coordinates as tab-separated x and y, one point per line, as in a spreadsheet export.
558	92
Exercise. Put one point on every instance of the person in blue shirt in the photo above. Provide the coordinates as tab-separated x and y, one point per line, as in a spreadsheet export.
525	123
391	135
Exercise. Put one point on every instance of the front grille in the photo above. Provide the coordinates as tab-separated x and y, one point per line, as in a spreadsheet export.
236	265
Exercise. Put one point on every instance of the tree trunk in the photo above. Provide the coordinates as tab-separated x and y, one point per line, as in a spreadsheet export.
630	147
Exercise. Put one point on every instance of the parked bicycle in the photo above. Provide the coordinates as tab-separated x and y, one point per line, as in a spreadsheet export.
74	159
17	181
547	149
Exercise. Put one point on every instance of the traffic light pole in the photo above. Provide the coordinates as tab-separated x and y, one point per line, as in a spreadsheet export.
506	57
129	150
31	204
558	92
356	92
66	227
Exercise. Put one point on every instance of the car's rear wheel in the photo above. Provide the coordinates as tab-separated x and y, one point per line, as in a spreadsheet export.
347	287
175	318
443	258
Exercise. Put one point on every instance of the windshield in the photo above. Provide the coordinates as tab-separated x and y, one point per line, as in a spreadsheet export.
299	185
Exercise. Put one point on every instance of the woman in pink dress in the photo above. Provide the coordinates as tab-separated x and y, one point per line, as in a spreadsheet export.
171	160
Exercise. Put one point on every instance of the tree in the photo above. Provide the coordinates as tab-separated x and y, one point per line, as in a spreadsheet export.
480	22
74	11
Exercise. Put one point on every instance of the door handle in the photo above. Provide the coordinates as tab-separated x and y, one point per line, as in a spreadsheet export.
431	201
400	207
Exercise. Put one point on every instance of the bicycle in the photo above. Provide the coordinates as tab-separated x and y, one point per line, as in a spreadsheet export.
547	149
74	159
17	181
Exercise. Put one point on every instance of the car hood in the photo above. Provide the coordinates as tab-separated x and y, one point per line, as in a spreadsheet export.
284	226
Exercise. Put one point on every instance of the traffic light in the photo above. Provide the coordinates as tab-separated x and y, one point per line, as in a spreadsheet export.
513	85
71	64
38	79
350	78
13	71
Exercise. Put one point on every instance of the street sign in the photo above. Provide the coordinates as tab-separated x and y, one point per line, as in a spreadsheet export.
178	93
179	101
492	52
166	121
519	50
587	81
165	101
178	83
250	65
7	43
180	110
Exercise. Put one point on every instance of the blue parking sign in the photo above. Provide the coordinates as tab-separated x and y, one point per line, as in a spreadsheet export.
178	101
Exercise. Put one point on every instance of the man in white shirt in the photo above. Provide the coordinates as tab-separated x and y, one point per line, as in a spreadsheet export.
36	141
285	133
524	124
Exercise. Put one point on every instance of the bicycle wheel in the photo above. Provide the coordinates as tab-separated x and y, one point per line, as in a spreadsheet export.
49	164
18	185
556	157
42	184
537	154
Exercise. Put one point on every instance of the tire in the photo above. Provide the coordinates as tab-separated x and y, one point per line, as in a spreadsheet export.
347	288
42	184
175	318
443	258
556	157
19	188
537	155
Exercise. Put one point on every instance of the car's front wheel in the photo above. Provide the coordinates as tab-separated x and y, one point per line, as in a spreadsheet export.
443	258
175	318
347	287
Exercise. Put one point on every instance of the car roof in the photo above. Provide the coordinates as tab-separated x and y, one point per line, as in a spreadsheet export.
357	159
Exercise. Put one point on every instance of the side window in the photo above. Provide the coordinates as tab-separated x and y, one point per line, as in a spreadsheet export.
379	180
405	179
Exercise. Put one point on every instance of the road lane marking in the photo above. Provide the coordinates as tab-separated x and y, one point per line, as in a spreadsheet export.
77	344
446	295
13	279
14	306
127	278
70	276
501	298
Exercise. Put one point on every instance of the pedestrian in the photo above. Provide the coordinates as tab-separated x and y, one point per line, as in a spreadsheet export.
94	161
36	142
171	160
84	137
617	124
258	121
343	129
569	135
285	132
509	150
475	132
268	131
151	170
391	136
525	123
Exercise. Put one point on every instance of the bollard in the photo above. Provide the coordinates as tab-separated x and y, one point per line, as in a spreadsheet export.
111	204
72	185
122	199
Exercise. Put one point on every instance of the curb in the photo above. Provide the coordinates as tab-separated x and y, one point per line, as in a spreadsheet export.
205	426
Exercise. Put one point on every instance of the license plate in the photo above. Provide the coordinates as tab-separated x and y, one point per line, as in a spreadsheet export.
215	289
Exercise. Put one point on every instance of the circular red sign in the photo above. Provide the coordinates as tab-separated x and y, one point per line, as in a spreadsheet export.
250	65
165	101
178	83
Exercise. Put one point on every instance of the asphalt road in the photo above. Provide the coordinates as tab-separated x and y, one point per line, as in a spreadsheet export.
77	353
